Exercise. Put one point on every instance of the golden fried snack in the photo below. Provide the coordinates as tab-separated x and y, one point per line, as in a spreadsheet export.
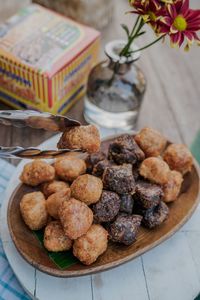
76	218
151	141
70	168
172	188
37	172
91	245
33	210
54	201
155	169
87	188
55	239
179	158
86	138
54	186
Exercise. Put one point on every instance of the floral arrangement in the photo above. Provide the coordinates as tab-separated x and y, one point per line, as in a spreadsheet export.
172	18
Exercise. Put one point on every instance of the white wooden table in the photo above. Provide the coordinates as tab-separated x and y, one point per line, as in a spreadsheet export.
169	271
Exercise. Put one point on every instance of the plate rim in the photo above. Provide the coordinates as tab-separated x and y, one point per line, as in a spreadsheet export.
93	270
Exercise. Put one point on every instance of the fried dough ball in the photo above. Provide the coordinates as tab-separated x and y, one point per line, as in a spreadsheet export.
148	194
179	158
172	188
70	168
124	150
33	210
86	138
76	218
155	169
93	159
119	179
91	245
55	239
87	188
54	201
151	141
106	209
124	229
55	186
37	172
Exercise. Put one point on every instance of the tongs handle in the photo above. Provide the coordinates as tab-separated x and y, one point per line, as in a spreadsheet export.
36	119
32	153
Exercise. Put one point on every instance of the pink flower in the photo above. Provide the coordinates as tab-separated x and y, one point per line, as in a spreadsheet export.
150	10
180	23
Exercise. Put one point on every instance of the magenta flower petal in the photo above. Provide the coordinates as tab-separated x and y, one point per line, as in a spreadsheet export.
185	6
181	40
166	20
178	5
174	39
172	11
189	35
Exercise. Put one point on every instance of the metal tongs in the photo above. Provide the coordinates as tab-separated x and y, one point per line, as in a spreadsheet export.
38	120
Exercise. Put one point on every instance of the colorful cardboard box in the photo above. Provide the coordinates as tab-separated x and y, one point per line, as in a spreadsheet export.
45	60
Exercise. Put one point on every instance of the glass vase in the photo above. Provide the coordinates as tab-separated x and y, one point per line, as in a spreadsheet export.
115	90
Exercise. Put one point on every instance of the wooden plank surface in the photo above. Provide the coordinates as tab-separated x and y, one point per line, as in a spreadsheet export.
123	283
171	105
170	270
72	288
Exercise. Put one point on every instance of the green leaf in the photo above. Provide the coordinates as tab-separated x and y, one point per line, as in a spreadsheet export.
62	260
198	297
125	27
195	148
140	33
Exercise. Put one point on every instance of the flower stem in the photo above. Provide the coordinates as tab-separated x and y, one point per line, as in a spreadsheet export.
135	25
148	45
135	31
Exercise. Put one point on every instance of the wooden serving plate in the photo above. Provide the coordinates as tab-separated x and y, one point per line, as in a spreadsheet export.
116	254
